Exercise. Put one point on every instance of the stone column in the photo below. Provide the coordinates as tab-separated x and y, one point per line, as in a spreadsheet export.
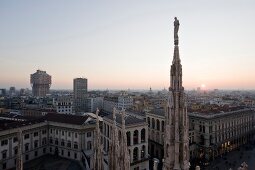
131	154
131	138
155	163
139	136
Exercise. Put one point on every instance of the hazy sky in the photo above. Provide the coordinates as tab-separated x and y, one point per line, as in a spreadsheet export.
127	44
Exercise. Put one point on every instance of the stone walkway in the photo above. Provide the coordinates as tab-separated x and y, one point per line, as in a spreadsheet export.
49	162
234	159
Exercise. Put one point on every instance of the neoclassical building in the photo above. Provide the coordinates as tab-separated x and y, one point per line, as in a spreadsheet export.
67	136
218	133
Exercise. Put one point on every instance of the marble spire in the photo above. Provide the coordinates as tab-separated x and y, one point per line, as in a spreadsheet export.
114	145
98	148
176	143
124	154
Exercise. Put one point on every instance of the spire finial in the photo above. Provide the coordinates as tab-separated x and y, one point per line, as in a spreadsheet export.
176	29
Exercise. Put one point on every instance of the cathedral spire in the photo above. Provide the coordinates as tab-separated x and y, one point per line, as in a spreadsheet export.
124	154
114	145
98	149
176	128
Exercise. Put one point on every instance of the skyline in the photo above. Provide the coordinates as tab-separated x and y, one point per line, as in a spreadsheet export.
127	45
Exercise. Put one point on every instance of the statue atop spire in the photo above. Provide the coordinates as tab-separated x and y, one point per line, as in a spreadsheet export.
176	29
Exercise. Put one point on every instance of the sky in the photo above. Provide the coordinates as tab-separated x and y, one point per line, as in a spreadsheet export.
128	44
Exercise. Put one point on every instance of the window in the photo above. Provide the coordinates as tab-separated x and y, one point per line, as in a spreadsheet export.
89	134
135	137
69	134
36	153
44	150
75	145
35	134
143	135
50	149
89	145
15	150
26	146
56	132
69	144
75	155
51	141
163	126
143	152
56	141
44	141
62	152
43	131
153	123
68	153
51	131
4	165
135	154
128	138
62	142
63	133
4	154
75	135
36	143
27	157
26	136
158	124
15	139
4	142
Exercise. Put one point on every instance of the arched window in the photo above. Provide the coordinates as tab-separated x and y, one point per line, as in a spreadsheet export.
128	138
135	154
143	135
153	123
143	152
89	146
135	137
149	121
163	126
158	125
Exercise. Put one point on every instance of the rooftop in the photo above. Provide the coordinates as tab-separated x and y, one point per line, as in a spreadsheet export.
129	119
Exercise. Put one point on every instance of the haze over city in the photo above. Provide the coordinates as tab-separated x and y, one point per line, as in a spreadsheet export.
121	45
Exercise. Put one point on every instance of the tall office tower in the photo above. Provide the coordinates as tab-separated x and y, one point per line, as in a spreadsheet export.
40	82
176	144
80	89
12	91
2	92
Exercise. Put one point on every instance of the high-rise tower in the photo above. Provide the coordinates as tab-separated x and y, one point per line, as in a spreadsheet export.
40	82
80	89
176	144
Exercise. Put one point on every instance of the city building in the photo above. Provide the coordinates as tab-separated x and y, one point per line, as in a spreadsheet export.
2	92
80	90
94	103
214	134
40	82
63	104
122	101
68	136
12	91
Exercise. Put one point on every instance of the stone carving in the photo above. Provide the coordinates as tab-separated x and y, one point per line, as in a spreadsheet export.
176	29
